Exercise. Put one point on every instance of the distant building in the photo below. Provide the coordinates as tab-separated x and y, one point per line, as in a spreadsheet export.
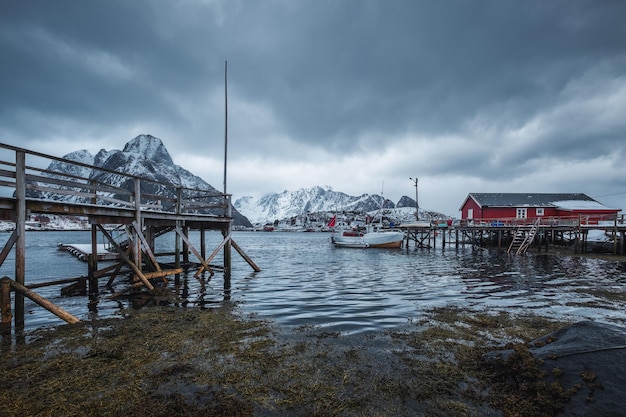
505	206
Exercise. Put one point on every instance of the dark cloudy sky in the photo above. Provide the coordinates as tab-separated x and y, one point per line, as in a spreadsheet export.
466	95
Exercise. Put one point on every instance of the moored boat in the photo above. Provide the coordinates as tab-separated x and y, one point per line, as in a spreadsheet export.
366	237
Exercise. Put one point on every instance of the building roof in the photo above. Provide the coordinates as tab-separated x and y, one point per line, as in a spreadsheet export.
576	201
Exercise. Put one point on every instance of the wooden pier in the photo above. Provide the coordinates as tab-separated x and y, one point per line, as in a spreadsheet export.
519	235
143	208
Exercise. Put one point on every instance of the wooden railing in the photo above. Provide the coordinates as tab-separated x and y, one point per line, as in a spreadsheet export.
584	220
72	186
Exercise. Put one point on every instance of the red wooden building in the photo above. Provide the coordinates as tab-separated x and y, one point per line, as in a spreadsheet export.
507	206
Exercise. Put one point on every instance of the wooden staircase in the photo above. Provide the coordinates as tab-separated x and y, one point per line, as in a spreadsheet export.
523	238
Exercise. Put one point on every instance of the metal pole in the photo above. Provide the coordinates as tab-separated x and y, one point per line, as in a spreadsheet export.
227	210
417	206
225	120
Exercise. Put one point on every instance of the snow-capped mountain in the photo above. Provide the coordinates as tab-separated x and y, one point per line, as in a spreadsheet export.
144	156
289	204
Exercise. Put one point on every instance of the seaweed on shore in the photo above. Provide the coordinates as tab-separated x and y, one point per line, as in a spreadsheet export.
168	361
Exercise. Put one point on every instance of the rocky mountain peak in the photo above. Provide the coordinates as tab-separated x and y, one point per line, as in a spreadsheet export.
148	147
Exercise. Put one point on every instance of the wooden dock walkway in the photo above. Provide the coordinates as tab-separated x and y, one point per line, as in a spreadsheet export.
84	251
143	207
539	233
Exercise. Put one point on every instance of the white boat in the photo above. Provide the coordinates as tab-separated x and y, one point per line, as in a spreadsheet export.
368	237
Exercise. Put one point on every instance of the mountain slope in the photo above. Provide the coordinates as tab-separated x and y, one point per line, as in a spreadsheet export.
289	204
144	156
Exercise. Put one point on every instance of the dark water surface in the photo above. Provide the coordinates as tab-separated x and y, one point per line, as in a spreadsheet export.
306	281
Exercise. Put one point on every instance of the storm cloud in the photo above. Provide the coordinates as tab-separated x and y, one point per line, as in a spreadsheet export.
468	96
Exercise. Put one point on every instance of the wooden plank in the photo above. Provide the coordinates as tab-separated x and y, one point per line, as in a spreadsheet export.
5	301
78	194
6	173
117	294
205	264
244	256
126	259
163	273
7	247
51	307
147	248
20	228
73	184
213	255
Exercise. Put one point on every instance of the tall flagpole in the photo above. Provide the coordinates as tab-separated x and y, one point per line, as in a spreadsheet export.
228	209
225	120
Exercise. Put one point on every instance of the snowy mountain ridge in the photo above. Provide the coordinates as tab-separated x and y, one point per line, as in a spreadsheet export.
286	205
144	156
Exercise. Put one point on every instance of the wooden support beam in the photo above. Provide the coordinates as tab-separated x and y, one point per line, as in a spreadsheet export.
126	259
146	246
5	302
20	228
244	256
163	273
7	247
51	307
205	264
213	255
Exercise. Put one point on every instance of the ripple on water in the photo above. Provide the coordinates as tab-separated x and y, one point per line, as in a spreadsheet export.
305	281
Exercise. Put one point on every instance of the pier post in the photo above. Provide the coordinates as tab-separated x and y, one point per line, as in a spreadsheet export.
185	246
179	196
136	240
5	304
20	228
93	264
203	243
227	248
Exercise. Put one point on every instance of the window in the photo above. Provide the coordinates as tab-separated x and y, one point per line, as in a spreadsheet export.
470	213
539	212
521	213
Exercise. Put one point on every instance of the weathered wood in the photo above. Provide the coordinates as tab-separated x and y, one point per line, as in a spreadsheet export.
125	290
51	307
8	246
20	228
126	259
213	255
5	301
184	210
204	263
55	282
163	273
75	182
244	256
146	246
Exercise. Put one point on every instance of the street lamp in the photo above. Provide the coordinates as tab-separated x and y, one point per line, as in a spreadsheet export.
417	206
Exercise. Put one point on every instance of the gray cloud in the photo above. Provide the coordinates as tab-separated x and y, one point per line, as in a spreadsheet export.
447	90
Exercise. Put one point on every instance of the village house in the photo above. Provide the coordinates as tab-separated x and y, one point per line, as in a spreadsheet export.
520	206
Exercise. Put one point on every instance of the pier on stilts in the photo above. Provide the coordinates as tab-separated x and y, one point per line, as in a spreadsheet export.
129	217
517	236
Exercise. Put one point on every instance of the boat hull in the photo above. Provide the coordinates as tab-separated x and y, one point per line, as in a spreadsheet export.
369	240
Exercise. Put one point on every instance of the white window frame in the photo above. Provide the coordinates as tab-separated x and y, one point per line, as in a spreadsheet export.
470	213
521	213
540	211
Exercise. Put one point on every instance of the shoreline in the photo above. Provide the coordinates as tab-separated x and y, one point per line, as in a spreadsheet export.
178	362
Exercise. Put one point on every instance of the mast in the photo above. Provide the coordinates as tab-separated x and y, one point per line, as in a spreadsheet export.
225	120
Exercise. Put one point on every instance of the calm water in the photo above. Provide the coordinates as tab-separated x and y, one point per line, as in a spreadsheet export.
306	281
